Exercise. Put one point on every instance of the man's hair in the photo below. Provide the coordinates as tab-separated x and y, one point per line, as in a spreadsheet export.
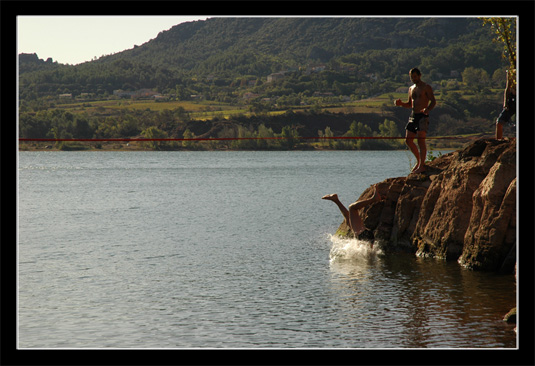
415	70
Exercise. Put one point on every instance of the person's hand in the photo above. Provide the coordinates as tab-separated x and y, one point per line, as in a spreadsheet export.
424	111
398	102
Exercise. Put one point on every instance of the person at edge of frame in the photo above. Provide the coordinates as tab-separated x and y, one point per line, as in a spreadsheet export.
509	104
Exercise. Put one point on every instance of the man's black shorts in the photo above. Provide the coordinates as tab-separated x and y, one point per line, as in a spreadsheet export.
507	113
418	122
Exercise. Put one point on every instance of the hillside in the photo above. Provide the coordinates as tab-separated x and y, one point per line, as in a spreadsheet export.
271	44
214	53
236	76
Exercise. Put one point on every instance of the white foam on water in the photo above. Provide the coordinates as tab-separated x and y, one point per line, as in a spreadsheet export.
353	249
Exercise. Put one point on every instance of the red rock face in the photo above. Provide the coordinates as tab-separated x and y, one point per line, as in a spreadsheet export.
463	208
490	239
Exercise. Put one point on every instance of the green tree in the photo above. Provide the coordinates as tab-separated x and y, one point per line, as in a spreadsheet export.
498	81
475	79
355	130
128	127
155	133
362	130
328	133
82	128
181	92
188	135
33	126
244	133
264	134
505	32
389	129
107	128
290	135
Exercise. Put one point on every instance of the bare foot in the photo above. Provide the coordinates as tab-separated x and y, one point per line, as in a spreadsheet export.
330	197
419	170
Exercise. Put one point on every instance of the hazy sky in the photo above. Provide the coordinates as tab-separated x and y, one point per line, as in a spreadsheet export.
76	39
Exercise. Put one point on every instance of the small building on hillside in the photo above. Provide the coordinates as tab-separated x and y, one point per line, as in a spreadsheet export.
275	76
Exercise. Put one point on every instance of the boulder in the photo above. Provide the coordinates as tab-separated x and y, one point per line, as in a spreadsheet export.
462	208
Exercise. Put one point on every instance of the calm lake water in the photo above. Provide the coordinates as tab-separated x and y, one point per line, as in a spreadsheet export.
230	250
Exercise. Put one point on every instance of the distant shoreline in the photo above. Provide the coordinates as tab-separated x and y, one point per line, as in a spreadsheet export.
138	146
135	149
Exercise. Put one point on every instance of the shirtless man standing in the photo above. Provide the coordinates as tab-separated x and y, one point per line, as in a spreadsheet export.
421	100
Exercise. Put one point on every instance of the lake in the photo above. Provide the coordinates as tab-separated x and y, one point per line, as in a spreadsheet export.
230	249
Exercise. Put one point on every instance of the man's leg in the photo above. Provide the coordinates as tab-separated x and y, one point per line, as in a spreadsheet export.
503	118
334	197
423	151
354	218
499	130
355	222
409	140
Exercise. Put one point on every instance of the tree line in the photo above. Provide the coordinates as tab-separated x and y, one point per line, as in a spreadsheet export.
250	132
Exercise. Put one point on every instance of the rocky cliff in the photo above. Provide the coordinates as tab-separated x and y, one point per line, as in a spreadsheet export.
463	208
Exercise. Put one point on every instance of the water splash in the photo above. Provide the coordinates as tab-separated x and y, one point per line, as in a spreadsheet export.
344	249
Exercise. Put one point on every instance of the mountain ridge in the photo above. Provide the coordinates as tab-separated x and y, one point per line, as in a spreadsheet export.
297	38
227	48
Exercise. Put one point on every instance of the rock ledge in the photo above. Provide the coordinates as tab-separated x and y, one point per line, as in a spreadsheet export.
462	208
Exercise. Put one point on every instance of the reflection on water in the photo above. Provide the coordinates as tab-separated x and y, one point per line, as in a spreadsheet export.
229	249
421	303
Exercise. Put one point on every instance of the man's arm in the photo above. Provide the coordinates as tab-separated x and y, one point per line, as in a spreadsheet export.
432	99
399	103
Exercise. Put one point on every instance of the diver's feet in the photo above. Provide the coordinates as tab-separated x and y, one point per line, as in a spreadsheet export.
330	197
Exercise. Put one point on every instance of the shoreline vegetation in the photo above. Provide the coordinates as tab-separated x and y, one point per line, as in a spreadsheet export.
451	145
137	119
